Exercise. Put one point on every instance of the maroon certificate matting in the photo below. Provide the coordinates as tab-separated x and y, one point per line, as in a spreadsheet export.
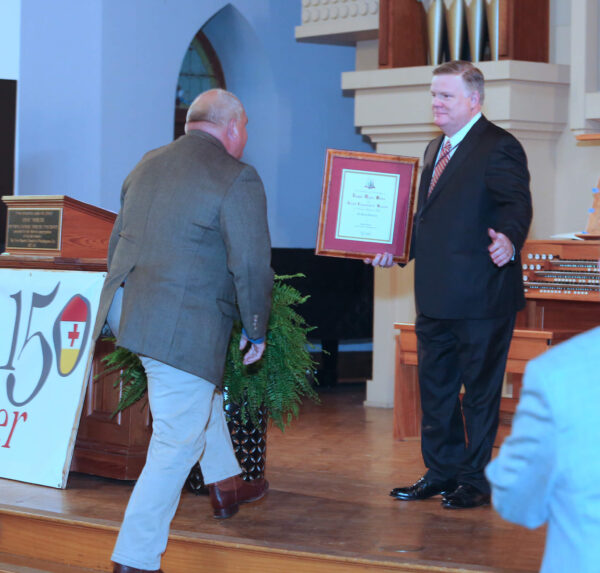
367	205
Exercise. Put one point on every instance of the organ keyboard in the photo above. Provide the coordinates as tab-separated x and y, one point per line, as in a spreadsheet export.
563	270
562	286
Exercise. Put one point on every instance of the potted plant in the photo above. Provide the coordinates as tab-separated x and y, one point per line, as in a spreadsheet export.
270	389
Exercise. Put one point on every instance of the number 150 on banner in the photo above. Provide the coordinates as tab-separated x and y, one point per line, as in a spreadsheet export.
45	346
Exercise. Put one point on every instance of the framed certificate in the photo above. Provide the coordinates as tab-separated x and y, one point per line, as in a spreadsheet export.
367	205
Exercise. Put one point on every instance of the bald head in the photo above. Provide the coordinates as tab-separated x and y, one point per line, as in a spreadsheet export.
215	106
221	114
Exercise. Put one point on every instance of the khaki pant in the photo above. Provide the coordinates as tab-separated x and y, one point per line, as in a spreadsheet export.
188	425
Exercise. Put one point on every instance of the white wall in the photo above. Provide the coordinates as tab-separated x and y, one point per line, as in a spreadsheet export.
58	106
10	18
249	74
295	105
577	164
97	90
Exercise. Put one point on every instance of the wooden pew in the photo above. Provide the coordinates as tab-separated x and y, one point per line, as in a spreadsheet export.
525	345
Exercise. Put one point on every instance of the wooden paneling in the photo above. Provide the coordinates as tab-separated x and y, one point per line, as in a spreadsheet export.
402	34
525	345
524	30
407	399
110	445
52	263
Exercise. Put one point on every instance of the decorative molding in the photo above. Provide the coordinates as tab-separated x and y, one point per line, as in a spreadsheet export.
529	99
338	21
592	106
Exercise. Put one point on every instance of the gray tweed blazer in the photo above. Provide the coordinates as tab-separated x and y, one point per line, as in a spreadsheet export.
191	243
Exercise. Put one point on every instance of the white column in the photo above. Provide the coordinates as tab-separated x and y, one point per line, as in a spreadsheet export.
585	91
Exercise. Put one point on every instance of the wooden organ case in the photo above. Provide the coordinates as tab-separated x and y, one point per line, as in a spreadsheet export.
562	286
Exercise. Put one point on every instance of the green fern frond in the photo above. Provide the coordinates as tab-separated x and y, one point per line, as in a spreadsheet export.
279	381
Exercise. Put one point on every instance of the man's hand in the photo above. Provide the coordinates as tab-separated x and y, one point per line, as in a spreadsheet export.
254	353
501	250
381	260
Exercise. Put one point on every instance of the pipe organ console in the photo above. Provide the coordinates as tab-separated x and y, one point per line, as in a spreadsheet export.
565	270
562	286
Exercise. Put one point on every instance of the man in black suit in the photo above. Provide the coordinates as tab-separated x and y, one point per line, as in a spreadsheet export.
473	215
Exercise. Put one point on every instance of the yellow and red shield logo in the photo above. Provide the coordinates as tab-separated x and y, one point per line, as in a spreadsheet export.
71	331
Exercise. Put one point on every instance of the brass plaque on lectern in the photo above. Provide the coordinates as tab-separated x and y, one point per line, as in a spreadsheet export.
33	228
55	226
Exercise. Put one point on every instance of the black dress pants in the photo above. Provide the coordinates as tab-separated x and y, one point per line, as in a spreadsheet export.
453	353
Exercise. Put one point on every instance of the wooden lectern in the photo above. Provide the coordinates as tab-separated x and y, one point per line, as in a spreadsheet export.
51	231
57	232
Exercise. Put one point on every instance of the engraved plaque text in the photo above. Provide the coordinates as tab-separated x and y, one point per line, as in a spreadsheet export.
36	229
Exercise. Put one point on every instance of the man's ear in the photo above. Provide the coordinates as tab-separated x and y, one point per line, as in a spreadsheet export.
232	129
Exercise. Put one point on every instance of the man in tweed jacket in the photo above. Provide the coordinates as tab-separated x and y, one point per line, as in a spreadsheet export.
191	247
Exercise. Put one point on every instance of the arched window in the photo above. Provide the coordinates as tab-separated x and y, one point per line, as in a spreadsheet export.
200	71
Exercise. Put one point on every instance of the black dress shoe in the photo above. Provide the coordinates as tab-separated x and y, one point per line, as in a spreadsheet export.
464	497
423	489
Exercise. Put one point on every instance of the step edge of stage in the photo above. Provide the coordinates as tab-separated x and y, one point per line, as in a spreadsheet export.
45	515
250	546
11	563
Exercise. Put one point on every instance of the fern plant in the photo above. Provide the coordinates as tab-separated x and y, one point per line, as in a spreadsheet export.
278	382
282	377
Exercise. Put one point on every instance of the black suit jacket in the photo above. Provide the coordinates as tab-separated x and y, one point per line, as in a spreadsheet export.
485	184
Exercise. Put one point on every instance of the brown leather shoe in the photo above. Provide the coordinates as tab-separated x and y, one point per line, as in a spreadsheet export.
227	495
118	568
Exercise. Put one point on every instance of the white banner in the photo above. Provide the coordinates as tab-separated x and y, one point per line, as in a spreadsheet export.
46	323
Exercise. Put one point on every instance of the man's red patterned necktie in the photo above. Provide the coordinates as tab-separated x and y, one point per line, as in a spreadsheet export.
440	165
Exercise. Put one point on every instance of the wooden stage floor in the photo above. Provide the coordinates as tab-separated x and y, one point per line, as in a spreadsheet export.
328	509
